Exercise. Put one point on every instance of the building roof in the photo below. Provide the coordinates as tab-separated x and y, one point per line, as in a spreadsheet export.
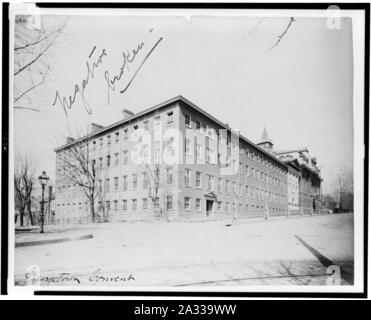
178	98
301	149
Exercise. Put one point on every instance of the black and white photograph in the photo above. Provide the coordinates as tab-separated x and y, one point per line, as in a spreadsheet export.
178	150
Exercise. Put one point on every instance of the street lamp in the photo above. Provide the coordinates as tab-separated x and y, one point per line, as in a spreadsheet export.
43	179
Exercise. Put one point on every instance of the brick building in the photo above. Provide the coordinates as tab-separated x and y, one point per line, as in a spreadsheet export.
197	164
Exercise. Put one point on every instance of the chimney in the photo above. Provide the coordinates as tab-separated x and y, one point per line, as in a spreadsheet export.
126	113
69	140
96	127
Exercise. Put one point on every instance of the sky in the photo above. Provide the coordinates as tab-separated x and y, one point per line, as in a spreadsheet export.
301	90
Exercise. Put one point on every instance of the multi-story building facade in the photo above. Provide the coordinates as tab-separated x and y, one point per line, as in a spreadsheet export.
293	187
309	178
178	159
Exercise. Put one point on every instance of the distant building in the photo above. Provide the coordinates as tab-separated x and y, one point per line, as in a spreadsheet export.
310	178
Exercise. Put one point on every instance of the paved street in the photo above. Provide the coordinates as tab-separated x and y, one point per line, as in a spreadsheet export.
294	251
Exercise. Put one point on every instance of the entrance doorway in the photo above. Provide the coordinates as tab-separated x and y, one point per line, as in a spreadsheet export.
209	207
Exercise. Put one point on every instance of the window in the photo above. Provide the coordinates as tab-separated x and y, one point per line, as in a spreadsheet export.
157	155
187	177
108	140
107	185
209	155
145	180
134	204
108	161
108	205
198	125
187	203
100	163
210	182
125	157
169	202
135	180
124	204
219	206
169	117
219	159
170	146
157	123
157	203
146	125
226	186
187	120
116	159
234	190
101	143
145	203
220	185
125	183
198	151
198	204
187	146
125	137
116	181
117	137
94	145
169	175
100	185
198	179
212	133
228	161
115	205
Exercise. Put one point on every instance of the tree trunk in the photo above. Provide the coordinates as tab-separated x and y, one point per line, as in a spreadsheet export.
21	215
92	208
29	212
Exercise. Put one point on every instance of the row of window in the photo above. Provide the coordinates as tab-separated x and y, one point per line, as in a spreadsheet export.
134	204
124	204
228	206
125	132
231	187
134	180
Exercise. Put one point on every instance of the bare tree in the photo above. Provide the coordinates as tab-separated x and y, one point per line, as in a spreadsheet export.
78	168
101	193
24	179
342	185
34	39
158	193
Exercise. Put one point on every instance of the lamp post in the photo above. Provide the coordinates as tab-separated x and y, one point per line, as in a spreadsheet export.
43	179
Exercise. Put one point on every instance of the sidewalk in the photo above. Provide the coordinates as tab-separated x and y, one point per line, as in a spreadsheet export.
33	238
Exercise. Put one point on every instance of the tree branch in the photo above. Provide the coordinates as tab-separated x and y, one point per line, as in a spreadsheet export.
31	88
40	40
37	57
281	36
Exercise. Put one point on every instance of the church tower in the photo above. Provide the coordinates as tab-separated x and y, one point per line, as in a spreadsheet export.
265	142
